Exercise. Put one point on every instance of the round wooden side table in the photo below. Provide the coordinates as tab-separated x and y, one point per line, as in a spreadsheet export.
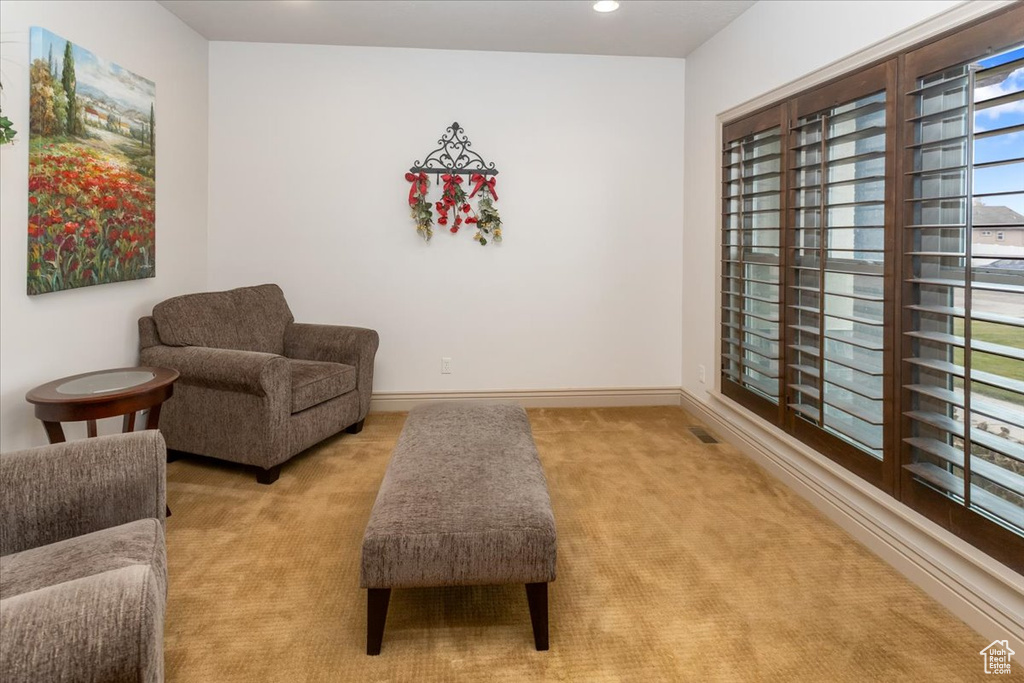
106	393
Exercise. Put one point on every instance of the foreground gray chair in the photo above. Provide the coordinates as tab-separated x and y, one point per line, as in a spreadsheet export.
256	387
83	571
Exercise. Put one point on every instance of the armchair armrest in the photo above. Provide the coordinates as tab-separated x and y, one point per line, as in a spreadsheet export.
250	372
354	346
64	490
104	627
332	343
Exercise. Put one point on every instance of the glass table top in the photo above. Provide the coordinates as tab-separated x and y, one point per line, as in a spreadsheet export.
105	382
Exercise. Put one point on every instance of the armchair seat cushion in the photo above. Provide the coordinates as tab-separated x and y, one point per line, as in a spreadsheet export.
136	543
314	382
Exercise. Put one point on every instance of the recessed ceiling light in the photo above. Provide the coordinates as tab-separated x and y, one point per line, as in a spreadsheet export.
606	6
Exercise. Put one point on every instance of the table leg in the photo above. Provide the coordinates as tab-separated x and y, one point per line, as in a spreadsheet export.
90	428
54	432
153	421
128	425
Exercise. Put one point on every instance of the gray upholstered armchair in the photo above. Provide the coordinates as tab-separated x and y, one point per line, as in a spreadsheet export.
256	387
83	571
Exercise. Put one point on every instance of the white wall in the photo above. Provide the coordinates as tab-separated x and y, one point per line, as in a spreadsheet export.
769	45
52	335
308	148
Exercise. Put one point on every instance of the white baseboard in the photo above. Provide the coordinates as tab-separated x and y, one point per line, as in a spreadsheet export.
390	401
984	593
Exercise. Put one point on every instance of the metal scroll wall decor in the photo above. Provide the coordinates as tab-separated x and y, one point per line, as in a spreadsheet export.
452	160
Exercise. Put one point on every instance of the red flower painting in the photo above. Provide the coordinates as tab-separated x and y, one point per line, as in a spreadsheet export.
92	194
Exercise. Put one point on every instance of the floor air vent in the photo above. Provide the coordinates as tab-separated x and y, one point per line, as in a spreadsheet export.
703	435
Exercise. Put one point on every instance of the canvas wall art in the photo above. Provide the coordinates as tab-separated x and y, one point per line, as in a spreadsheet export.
92	169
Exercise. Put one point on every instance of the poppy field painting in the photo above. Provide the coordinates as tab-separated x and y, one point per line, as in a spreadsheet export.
92	169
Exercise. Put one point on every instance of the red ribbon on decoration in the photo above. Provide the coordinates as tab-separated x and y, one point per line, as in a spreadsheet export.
419	182
480	181
451	180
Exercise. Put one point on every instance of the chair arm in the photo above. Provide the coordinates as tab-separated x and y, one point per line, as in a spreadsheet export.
354	346
104	627
148	334
249	372
65	490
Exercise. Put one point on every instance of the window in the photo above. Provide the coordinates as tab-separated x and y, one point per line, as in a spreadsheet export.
866	307
836	296
963	341
751	252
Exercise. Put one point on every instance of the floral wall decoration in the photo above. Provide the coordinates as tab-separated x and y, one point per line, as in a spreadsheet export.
452	160
92	169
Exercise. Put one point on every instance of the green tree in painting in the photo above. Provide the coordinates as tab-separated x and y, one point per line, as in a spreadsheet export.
42	118
48	103
70	85
60	108
152	131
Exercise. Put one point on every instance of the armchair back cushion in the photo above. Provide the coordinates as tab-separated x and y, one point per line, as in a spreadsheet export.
244	319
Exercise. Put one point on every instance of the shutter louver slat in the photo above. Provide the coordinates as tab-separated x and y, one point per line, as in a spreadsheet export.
988	502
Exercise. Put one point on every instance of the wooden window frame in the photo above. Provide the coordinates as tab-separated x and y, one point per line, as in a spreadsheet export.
990	35
864	82
993	32
764	120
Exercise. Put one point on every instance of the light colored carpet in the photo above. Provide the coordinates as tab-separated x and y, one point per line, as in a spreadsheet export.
677	561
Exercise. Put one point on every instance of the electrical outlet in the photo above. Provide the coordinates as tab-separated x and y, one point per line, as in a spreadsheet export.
446	366
700	374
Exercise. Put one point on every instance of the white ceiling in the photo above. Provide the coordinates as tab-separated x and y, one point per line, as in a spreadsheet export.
638	28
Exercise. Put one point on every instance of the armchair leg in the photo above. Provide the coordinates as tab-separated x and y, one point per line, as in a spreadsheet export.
356	428
269	475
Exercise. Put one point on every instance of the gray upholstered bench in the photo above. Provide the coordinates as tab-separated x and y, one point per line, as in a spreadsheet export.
464	502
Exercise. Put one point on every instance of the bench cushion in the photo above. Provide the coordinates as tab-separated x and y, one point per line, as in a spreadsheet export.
314	382
464	501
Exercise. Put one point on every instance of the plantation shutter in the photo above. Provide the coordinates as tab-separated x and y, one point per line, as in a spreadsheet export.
872	300
963	343
753	163
839	303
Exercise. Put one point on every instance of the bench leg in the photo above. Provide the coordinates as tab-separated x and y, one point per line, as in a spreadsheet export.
376	614
537	596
